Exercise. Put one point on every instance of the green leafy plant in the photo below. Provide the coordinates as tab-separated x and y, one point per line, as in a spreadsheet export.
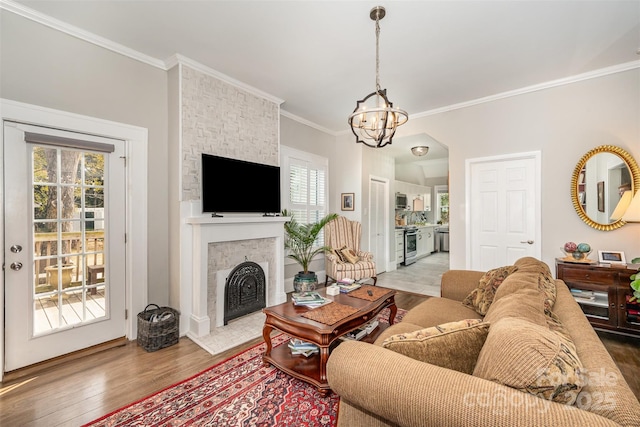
635	282
300	239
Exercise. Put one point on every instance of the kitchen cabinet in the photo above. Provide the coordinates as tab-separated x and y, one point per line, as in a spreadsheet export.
399	246
425	241
603	293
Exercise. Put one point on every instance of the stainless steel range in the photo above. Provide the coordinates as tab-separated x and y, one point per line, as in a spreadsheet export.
410	245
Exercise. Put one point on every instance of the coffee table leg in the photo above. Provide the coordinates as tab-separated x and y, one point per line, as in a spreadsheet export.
392	315
324	357
266	334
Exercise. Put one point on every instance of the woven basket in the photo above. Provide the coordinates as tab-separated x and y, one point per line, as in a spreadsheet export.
158	328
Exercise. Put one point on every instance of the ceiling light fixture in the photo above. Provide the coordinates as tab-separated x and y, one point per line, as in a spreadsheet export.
375	124
420	150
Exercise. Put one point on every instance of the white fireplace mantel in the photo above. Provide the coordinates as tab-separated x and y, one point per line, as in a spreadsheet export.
198	232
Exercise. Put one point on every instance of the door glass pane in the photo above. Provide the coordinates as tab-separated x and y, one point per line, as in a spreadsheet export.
69	274
45	165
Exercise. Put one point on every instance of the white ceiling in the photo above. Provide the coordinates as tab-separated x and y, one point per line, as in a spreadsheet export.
319	56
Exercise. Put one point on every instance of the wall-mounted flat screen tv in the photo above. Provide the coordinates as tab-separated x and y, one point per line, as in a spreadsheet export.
237	186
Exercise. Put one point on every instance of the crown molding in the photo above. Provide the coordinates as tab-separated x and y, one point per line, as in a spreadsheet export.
81	34
176	59
542	86
307	122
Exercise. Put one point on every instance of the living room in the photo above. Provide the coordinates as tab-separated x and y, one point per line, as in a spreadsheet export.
46	64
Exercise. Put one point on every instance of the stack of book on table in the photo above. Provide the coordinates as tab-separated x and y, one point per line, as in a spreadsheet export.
362	331
583	295
309	299
347	285
298	346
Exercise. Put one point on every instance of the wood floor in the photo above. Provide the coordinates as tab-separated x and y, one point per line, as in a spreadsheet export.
78	391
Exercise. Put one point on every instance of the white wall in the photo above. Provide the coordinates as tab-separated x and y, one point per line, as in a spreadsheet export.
49	68
563	123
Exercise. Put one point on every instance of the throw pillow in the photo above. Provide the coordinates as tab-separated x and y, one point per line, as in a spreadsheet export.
481	297
339	256
349	255
454	345
531	358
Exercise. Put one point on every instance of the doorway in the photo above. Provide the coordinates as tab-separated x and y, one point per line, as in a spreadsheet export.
504	212
135	140
64	204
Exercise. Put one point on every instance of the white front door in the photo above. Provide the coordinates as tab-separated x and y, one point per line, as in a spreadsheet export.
504	210
377	220
64	242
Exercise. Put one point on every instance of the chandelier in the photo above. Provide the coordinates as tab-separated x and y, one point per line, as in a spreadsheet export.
375	120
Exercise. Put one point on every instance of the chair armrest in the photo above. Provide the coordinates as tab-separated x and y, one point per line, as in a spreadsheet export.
365	256
457	284
406	392
331	257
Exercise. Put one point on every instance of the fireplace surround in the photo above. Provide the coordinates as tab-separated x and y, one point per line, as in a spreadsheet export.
204	258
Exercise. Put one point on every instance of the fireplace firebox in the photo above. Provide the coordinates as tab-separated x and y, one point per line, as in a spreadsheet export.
244	291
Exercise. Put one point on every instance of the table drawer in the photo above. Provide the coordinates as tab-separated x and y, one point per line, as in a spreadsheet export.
588	276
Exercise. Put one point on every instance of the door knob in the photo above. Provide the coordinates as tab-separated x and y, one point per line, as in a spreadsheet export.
16	248
529	242
16	266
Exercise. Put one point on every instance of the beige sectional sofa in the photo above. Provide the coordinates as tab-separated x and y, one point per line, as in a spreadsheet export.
538	342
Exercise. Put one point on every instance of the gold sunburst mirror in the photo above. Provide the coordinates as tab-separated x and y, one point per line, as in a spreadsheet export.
598	182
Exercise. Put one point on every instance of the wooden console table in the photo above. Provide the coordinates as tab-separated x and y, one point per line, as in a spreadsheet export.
606	293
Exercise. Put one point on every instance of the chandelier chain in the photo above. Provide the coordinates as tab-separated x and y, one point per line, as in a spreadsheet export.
377	52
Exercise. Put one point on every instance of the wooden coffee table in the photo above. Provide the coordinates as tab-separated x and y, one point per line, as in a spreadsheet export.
288	318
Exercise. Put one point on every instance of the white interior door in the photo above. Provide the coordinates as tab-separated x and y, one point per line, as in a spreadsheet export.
504	210
64	249
377	218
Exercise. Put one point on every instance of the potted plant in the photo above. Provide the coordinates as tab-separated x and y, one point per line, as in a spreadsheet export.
299	241
635	282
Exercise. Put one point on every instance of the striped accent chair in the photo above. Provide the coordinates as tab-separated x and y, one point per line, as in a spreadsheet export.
343	233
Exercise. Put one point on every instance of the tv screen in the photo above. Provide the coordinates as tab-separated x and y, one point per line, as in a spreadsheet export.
237	186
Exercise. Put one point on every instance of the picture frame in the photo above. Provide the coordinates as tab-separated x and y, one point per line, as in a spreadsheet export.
601	196
611	257
348	201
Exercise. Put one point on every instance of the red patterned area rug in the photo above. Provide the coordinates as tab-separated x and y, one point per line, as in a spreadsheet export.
240	391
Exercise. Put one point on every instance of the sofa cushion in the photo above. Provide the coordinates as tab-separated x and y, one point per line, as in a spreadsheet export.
481	297
525	304
436	311
532	359
454	345
531	274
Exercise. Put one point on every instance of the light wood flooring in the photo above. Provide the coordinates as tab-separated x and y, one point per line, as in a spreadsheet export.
77	391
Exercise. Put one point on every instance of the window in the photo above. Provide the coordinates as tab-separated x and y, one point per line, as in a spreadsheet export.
304	182
442	204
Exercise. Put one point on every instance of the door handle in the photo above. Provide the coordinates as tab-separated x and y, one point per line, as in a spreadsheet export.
530	242
16	266
16	248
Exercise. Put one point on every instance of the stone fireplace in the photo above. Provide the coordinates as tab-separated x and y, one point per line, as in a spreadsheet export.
215	247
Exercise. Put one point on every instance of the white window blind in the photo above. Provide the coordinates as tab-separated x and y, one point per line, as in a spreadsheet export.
306	187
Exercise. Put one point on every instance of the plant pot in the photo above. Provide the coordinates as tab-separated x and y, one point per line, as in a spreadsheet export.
52	275
303	282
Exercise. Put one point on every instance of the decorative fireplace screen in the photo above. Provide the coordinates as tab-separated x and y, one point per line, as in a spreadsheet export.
244	291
